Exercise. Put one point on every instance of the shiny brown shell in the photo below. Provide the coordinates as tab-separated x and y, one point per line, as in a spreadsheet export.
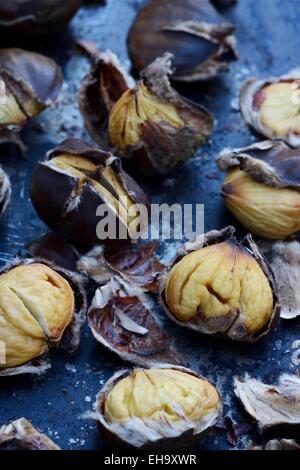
194	32
35	17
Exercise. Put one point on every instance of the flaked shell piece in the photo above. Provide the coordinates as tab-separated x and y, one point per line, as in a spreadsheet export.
160	129
270	106
76	179
271	162
22	432
159	432
233	324
137	265
35	367
122	318
68	338
284	259
275	444
200	39
5	191
276	408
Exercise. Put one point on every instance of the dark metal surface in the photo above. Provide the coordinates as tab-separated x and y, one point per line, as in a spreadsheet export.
268	43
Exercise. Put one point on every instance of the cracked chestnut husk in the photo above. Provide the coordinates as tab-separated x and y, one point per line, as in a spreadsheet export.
73	182
137	265
211	287
275	444
36	18
5	192
29	83
262	187
163	407
284	260
199	38
22	433
271	106
122	319
41	306
276	408
148	123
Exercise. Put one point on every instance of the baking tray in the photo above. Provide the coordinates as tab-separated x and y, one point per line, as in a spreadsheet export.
268	43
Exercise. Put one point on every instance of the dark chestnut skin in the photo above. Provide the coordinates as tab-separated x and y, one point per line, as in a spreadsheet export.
36	17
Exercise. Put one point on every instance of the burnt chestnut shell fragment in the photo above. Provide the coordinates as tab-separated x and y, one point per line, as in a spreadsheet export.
122	318
148	124
206	288
199	38
36	17
262	187
76	178
136	265
29	83
165	407
271	106
42	306
22	433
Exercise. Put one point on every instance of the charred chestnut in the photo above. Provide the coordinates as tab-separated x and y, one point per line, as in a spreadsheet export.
149	124
262	187
29	83
271	106
68	188
32	18
161	407
211	287
39	304
194	32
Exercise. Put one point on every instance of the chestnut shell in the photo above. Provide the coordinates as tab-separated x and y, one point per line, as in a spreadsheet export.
192	31
36	17
231	327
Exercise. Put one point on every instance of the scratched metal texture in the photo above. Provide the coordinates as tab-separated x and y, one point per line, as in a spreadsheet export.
268	43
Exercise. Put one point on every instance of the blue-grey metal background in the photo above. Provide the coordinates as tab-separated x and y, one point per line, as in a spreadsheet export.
268	43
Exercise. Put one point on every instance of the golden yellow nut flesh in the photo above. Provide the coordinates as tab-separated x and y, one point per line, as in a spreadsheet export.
217	280
36	304
279	110
135	107
160	394
269	212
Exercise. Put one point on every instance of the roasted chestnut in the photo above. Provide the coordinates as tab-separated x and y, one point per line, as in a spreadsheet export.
194	32
270	106
22	433
148	124
5	191
211	286
262	187
34	17
29	83
69	186
39	304
162	407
